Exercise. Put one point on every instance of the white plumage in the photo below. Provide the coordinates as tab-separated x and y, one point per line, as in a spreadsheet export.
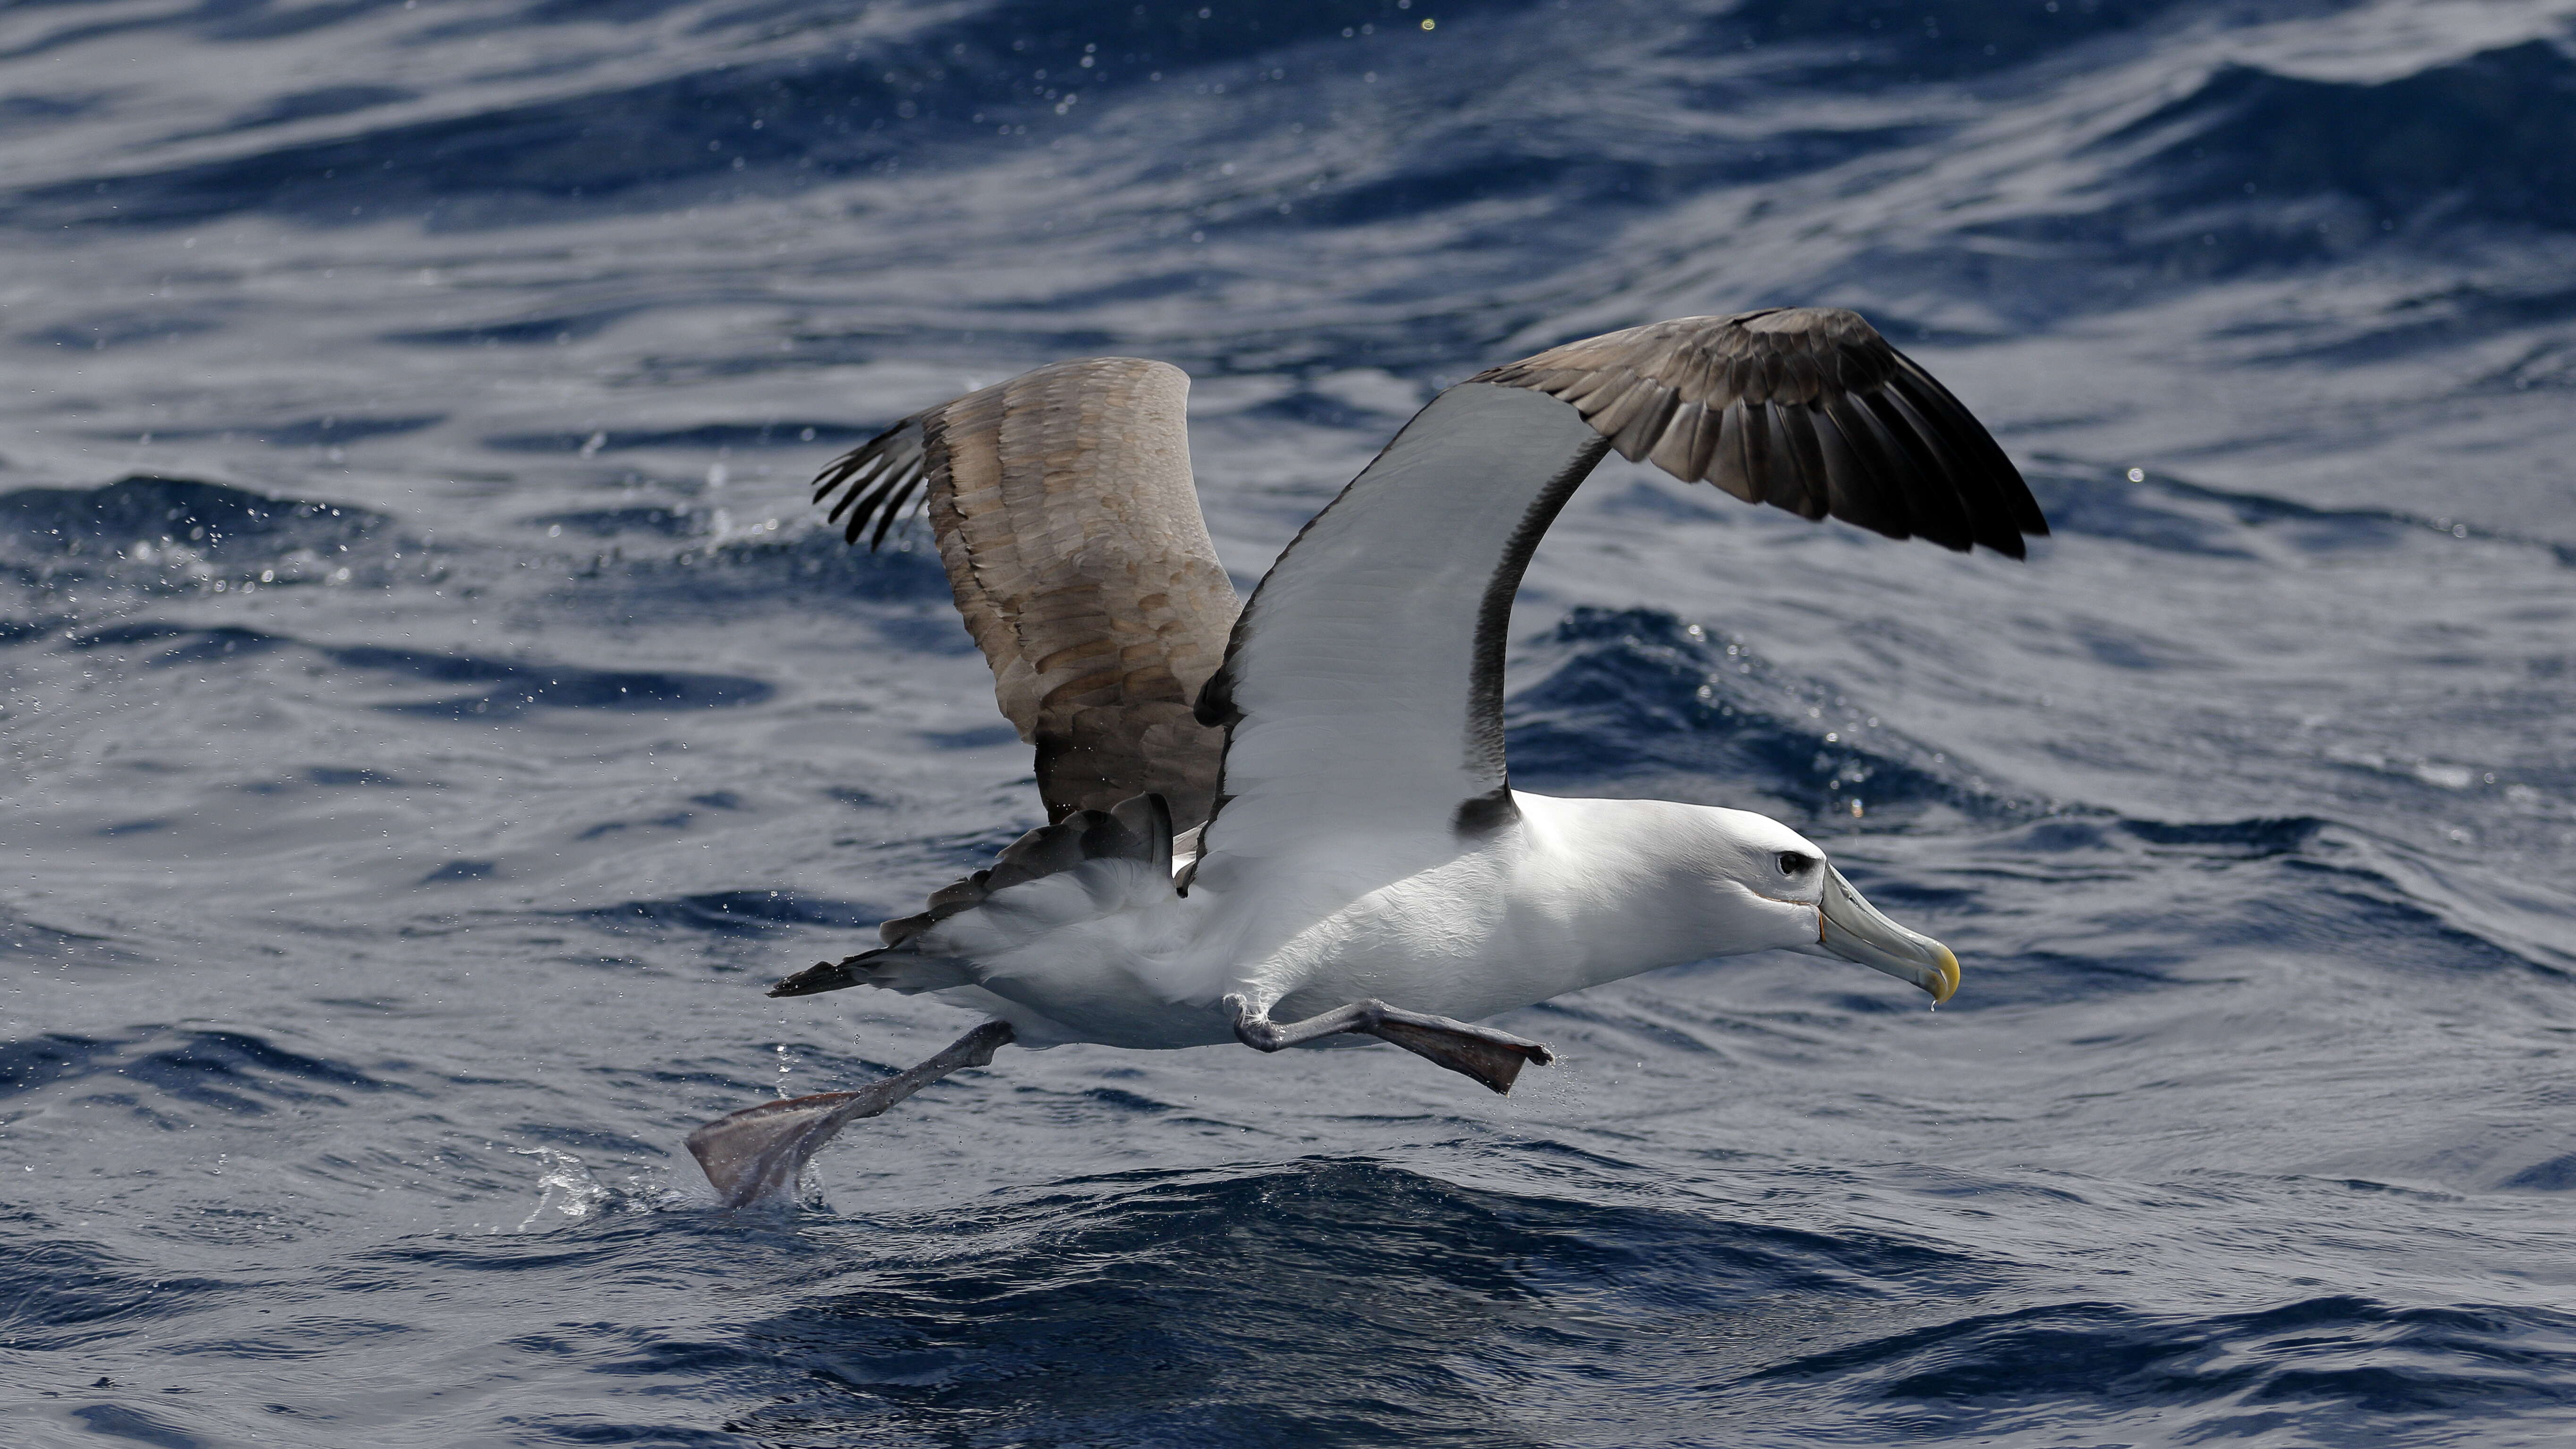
1349	856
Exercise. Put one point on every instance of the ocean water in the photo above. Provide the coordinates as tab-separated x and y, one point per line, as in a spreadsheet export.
433	715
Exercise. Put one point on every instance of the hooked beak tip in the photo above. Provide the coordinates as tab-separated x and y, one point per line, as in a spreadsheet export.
1850	927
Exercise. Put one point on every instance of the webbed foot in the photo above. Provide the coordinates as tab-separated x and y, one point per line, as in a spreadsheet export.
1492	1057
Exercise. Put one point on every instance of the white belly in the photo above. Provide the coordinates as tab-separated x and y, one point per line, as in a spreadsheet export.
1444	941
1459	929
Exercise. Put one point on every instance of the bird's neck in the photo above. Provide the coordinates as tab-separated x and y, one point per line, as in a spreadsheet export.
1610	881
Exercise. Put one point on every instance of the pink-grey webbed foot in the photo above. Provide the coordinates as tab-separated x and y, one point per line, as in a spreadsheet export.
756	1154
1492	1057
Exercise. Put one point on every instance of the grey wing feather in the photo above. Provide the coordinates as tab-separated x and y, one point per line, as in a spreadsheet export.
1805	408
1069	527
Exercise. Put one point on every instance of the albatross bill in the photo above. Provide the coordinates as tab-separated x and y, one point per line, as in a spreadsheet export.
1847	925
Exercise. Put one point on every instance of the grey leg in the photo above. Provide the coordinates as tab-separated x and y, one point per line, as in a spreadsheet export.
757	1153
1492	1057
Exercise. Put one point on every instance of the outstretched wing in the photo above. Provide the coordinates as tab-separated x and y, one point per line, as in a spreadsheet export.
1364	683
1807	408
1066	519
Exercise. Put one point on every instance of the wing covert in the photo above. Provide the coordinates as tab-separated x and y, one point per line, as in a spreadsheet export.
1069	527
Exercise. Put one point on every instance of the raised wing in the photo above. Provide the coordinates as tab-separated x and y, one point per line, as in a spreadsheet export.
1363	688
1364	682
1064	513
1806	408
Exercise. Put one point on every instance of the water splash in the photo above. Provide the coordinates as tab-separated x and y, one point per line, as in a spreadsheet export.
566	1186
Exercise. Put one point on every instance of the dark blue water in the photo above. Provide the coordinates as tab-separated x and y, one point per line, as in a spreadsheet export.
433	715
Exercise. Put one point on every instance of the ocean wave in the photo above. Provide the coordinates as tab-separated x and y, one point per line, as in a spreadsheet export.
747	567
65	1295
513	686
1107	1307
159	1072
750	122
1638	699
2478	139
181	533
2333	1365
741	913
1876	41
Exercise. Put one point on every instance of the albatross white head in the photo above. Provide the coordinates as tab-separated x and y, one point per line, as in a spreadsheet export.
1708	881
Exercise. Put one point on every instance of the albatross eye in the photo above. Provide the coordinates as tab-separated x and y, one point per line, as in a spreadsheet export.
1792	863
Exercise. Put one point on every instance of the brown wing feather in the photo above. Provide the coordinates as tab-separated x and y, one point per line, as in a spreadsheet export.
1807	408
1065	516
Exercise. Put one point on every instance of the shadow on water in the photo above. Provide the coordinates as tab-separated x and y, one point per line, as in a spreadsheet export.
174	511
2175	516
2256	172
2138	905
784	433
32	940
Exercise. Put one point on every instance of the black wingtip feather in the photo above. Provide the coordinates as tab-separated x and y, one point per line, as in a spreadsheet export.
1916	419
1985	474
1793	444
1939	510
1871	483
858	480
875	480
882	501
891	510
1805	409
1981	444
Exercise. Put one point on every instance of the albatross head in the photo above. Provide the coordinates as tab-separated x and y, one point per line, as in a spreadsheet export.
1756	884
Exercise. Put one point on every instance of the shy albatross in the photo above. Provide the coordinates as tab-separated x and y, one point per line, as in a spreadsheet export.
1291	824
